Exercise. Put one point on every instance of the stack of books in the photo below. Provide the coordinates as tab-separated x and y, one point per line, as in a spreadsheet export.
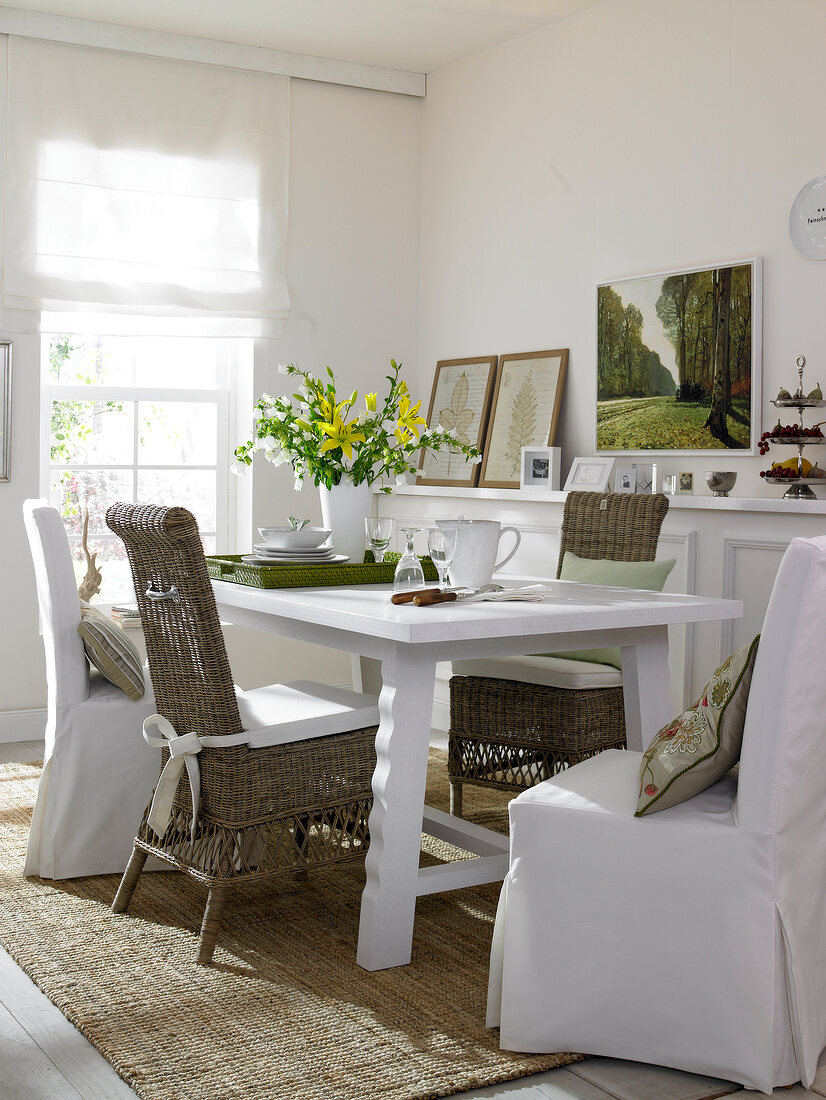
127	616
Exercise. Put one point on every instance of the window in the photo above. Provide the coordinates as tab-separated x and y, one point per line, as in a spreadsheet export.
140	419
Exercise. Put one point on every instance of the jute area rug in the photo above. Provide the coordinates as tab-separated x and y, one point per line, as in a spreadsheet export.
285	1013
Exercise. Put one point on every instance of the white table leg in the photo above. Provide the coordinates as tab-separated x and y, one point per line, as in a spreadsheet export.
366	674
646	686
388	904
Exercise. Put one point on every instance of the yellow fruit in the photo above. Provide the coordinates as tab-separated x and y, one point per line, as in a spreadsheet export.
791	464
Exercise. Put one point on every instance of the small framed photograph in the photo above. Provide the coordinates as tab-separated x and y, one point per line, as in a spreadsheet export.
669	484
685	484
5	410
589	474
625	479
540	467
646	476
460	399
526	404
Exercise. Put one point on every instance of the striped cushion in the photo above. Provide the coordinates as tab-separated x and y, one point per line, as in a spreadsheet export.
111	652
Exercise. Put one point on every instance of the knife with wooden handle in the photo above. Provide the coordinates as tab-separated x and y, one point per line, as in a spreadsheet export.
425	599
409	597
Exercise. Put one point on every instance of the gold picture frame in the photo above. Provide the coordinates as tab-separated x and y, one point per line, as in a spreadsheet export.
460	399
525	413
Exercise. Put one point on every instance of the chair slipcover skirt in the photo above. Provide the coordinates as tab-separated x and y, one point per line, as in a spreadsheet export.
693	937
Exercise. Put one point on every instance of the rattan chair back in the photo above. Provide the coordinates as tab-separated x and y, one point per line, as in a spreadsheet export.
619	526
188	661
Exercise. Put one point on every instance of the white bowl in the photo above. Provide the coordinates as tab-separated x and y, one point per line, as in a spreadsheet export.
306	539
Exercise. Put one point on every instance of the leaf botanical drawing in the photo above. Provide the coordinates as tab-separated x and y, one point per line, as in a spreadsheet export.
458	416
523	422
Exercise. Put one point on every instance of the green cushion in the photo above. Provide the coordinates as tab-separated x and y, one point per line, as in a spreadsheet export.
699	746
618	574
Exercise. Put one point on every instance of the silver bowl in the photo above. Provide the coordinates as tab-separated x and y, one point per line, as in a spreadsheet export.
720	481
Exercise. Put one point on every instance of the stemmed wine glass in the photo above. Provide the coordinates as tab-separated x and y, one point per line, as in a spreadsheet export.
409	574
379	530
442	546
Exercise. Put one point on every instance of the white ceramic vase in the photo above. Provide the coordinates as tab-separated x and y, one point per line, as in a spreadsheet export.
343	510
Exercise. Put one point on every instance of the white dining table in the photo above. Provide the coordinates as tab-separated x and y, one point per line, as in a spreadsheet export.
408	641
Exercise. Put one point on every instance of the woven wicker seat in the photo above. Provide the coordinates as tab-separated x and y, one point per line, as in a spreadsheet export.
511	734
262	811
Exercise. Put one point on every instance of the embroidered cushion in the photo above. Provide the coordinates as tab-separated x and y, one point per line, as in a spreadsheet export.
701	744
111	652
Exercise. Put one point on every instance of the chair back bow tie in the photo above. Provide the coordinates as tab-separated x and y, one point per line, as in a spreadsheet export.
183	750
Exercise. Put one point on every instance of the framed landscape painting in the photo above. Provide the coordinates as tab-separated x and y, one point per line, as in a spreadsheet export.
678	361
460	400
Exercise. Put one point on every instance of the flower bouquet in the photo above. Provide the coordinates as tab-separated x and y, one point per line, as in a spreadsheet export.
329	442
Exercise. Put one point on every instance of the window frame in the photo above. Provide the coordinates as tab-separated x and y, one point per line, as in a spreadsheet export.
225	397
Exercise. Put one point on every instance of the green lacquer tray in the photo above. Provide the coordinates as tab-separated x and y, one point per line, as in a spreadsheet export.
230	567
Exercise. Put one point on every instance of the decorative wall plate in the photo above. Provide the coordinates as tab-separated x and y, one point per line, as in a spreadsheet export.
807	220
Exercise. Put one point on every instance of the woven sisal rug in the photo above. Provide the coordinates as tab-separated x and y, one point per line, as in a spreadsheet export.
285	1013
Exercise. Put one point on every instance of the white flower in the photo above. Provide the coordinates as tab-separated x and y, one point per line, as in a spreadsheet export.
401	479
282	368
260	444
476	460
298	484
239	468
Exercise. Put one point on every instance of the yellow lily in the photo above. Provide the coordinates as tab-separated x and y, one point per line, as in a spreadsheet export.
341	435
409	418
370	402
402	436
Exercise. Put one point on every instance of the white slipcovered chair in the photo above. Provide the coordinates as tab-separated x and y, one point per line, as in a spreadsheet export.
694	937
98	772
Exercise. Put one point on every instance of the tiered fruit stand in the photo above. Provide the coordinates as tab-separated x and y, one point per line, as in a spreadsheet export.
799	487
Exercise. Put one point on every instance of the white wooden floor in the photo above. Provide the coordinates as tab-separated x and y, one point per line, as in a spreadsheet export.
43	1057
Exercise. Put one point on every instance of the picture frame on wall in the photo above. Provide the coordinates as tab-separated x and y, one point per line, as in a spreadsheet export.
5	410
590	475
526	403
685	484
540	467
460	399
679	361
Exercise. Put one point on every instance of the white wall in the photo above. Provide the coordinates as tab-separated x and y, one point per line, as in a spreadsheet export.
639	136
352	272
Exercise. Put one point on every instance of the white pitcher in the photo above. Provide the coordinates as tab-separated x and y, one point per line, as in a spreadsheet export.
477	544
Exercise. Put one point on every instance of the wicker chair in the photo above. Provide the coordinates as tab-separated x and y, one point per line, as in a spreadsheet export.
513	734
285	771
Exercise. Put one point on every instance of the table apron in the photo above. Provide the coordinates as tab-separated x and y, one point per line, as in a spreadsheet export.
369	645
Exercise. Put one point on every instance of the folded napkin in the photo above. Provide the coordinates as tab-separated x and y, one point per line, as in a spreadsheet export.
532	592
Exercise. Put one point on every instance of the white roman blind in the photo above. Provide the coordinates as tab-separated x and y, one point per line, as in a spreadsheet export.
141	186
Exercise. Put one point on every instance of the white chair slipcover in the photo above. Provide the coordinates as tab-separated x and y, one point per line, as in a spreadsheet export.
694	937
98	772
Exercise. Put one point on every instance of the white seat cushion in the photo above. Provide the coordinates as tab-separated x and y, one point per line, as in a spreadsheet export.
297	711
557	672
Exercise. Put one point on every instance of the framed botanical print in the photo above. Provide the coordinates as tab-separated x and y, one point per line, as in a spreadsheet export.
525	412
460	400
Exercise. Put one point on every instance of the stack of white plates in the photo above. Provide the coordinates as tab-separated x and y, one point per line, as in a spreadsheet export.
265	554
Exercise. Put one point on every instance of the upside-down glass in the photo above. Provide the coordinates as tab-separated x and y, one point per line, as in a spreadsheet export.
442	547
379	531
409	574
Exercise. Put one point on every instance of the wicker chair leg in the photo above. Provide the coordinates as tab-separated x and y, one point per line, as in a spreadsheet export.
129	880
455	798
211	924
